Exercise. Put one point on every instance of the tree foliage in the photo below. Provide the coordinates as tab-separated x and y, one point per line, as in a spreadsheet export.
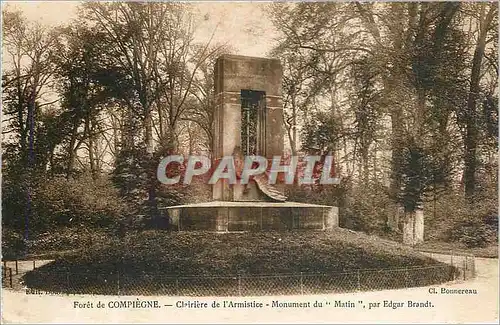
400	92
403	95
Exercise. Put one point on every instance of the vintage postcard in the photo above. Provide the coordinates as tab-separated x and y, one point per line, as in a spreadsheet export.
249	162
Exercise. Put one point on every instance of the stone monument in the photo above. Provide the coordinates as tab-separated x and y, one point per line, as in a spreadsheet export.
248	120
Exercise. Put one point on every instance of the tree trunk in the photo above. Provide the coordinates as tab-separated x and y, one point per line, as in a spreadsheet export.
148	133
365	163
293	142
90	145
151	171
128	130
471	132
292	127
397	153
71	150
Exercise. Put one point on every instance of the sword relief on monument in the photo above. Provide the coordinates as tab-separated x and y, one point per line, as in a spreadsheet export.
253	122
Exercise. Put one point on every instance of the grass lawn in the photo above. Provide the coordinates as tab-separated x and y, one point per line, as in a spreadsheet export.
148	260
202	253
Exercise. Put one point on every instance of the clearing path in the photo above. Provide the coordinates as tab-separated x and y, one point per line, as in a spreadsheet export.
22	268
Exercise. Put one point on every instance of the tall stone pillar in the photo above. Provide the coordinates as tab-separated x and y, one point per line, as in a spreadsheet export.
235	75
408	229
413	228
419	226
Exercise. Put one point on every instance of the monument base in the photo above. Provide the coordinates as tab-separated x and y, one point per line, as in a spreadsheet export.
224	216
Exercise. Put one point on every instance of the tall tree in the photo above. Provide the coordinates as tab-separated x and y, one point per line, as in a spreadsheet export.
486	30
26	82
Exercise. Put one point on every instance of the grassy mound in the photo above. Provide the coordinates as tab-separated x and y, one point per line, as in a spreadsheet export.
151	254
201	253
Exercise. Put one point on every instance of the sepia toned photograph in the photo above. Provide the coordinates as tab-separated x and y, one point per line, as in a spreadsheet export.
236	162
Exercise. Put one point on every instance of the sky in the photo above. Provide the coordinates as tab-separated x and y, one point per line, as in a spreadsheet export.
243	25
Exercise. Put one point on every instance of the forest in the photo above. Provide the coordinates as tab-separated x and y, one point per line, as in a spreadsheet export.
404	95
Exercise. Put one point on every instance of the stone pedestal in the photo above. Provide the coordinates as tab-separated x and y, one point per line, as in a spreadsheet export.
332	218
413	228
223	216
419	227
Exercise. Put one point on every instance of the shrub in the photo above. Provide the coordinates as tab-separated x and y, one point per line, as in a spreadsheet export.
315	194
12	243
77	201
366	208
452	219
473	233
